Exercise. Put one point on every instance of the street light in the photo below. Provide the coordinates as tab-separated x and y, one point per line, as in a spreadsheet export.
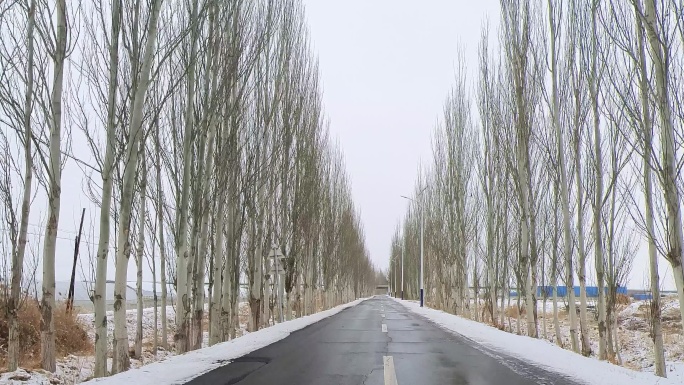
422	225
402	270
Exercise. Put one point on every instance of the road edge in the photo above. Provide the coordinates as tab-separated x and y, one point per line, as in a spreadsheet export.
537	352
185	367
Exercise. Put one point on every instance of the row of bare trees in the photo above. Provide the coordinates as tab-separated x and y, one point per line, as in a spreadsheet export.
569	151
200	128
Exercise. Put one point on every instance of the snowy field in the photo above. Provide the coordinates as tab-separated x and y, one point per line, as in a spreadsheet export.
180	369
76	369
635	346
633	332
543	352
166	367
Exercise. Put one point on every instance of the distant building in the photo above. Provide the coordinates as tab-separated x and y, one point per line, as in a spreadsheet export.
83	292
381	289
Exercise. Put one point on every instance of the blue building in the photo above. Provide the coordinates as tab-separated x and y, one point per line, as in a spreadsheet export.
562	291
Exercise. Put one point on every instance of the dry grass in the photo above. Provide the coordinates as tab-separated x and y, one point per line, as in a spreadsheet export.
512	311
70	335
621	299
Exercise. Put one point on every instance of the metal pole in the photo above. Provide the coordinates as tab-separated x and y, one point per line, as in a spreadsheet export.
422	225
278	280
402	269
77	243
280	288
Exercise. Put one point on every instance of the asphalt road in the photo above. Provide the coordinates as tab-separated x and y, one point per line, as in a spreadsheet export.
352	348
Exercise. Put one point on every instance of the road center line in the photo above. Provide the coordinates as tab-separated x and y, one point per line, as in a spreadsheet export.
390	374
384	328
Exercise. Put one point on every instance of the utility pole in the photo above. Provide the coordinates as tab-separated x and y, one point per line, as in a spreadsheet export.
77	243
394	284
402	268
422	225
278	270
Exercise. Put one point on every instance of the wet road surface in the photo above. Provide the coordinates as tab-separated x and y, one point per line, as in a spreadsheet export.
378	342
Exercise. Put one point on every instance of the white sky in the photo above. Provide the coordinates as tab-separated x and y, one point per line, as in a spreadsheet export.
386	67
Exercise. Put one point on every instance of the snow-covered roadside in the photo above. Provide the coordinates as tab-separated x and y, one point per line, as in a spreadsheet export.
180	369
539	352
74	369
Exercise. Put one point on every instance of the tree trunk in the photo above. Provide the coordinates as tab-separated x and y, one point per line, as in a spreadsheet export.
120	358
139	256
598	198
47	324
100	295
228	265
183	304
669	171
554	267
647	130
564	193
155	343
162	249
215	307
255	292
14	300
582	272
198	279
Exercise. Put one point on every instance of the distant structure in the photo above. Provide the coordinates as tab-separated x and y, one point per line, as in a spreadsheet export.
381	289
83	290
592	292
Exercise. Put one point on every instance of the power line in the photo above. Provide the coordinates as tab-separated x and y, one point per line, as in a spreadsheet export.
58	237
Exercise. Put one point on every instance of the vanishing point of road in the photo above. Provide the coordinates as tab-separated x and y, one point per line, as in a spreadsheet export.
377	342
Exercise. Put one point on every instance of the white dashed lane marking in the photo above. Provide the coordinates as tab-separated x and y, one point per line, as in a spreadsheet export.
390	374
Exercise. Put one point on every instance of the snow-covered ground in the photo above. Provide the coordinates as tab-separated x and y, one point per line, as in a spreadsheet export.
76	369
180	369
635	346
546	354
166	367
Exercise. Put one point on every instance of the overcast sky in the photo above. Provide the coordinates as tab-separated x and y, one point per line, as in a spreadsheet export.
387	66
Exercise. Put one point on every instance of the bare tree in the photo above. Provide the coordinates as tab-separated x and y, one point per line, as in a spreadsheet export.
19	237
121	361
47	325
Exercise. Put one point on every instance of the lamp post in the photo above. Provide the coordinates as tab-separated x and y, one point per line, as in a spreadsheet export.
402	270
422	225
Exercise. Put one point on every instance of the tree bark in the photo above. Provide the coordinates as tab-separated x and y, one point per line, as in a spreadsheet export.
100	294
14	299
598	198
121	361
183	307
647	131
215	305
162	247
47	322
660	56
139	255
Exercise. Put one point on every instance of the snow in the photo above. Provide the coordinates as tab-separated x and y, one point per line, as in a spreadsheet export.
634	341
166	364
543	353
74	369
182	368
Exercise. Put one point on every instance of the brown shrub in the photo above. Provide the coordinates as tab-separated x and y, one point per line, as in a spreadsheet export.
622	299
70	335
512	311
